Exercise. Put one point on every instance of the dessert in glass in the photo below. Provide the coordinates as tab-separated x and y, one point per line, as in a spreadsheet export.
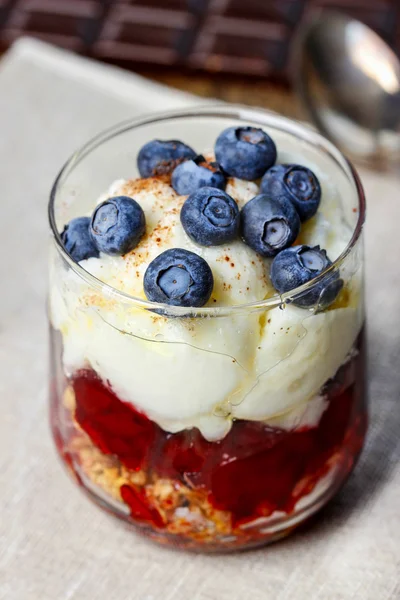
206	311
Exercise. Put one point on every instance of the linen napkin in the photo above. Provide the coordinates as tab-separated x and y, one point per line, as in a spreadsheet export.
54	544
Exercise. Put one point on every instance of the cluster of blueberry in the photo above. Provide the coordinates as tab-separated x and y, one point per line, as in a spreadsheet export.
269	223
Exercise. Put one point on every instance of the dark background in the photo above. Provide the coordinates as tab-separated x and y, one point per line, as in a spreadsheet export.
236	50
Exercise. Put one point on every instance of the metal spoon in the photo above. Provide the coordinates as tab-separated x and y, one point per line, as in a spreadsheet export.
349	81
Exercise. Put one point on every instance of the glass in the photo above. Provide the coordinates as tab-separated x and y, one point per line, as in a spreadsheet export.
196	471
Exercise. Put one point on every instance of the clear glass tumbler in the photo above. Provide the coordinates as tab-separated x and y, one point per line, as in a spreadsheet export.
119	364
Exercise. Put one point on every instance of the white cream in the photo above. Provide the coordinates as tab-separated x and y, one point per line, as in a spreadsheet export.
203	373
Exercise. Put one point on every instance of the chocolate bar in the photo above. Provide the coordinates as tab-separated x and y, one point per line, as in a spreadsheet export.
227	36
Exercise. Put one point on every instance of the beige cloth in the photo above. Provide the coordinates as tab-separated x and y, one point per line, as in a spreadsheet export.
54	544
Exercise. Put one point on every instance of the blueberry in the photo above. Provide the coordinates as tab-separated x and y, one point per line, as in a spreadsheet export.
210	217
179	278
160	157
77	240
298	184
193	174
298	265
269	224
245	152
117	225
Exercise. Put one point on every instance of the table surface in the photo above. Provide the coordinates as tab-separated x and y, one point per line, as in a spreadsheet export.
54	545
232	89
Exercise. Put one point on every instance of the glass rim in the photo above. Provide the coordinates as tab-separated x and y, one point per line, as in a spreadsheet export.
259	116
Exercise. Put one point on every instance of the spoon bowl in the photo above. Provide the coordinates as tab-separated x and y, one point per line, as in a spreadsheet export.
349	81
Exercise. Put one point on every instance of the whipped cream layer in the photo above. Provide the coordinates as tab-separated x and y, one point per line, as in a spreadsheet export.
265	365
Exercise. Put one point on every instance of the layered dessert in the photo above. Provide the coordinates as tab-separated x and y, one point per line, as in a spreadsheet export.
211	347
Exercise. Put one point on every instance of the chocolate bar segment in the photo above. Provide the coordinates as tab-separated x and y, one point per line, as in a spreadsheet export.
74	24
139	33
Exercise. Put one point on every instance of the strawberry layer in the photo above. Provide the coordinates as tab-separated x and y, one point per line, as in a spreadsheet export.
254	470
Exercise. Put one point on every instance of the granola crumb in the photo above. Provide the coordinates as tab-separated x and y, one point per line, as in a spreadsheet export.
184	510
